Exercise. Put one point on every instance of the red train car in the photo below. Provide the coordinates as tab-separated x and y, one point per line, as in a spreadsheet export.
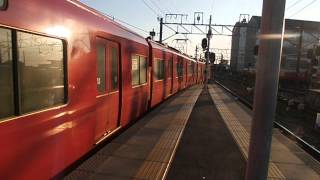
161	60
70	77
191	72
170	72
200	72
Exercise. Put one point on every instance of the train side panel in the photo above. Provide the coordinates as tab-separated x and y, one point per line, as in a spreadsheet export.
159	80
43	141
135	81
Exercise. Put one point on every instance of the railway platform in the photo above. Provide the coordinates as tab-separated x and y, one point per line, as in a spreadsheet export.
196	134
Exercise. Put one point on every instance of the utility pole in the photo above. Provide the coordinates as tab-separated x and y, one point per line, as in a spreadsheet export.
208	53
266	87
161	28
196	55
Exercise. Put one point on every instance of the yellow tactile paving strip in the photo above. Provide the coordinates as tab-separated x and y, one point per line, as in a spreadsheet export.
239	133
159	159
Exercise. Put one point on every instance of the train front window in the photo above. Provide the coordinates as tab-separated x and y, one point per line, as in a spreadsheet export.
41	71
6	74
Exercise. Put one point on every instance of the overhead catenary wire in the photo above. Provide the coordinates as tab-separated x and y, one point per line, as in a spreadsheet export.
173	5
124	22
158	7
165	7
212	6
148	6
292	5
299	11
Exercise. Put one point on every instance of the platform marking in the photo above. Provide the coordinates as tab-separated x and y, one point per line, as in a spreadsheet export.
159	160
239	133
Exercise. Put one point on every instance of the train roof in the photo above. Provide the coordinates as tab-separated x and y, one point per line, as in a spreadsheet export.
166	48
124	31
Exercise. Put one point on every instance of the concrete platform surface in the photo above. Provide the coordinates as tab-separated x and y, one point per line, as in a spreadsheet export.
207	149
193	136
145	150
288	160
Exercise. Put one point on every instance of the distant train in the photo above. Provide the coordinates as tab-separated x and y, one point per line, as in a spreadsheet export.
70	77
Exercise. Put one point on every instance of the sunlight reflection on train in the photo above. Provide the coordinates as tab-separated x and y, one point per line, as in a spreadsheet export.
277	36
62	127
58	31
64	113
59	129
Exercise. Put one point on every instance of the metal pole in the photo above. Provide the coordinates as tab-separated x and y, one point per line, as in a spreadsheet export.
299	56
265	98
161	28
208	53
196	56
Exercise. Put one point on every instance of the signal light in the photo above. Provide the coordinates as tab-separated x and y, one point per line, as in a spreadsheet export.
204	43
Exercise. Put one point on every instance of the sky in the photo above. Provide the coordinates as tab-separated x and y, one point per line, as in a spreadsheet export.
143	14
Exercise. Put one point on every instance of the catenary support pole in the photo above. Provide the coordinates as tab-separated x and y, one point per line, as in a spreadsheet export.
208	54
161	29
266	87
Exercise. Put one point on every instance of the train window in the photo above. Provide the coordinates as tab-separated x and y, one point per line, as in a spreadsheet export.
190	69
159	69
101	68
3	4
170	65
41	71
114	70
135	70
139	70
143	70
180	67
6	77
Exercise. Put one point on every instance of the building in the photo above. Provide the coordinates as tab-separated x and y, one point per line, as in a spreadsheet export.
300	37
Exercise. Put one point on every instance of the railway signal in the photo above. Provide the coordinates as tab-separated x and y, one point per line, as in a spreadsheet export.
204	43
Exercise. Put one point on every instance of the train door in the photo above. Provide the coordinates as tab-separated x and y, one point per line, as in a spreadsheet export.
197	73
186	74
180	72
171	73
108	96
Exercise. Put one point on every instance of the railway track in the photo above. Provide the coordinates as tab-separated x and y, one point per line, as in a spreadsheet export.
311	149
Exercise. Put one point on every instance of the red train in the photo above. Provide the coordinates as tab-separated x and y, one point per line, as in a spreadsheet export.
69	77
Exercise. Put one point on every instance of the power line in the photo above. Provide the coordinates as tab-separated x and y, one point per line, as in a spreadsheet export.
121	21
172	5
160	10
164	6
154	11
212	5
292	5
303	8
